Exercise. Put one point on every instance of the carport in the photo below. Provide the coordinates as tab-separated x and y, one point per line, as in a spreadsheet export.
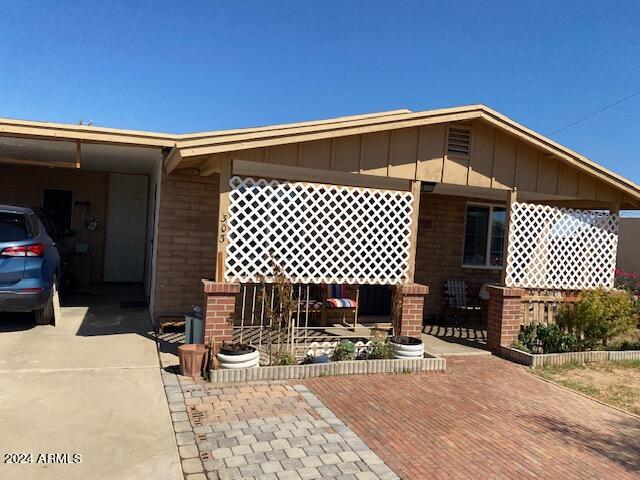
100	188
92	384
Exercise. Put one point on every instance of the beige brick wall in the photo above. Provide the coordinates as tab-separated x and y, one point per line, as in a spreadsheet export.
186	252
439	249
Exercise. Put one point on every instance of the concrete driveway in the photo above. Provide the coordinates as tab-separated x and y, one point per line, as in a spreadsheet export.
90	386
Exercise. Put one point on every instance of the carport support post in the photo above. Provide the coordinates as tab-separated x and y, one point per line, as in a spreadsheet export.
219	311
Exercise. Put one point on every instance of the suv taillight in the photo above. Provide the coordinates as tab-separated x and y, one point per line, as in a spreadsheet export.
35	250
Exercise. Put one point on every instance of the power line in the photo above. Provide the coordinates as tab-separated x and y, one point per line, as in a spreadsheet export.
597	112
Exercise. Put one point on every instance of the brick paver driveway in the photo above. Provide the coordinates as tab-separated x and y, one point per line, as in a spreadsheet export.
484	418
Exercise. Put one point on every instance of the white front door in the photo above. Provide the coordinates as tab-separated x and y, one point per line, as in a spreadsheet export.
126	228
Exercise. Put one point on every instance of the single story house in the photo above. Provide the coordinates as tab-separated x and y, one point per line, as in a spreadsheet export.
169	209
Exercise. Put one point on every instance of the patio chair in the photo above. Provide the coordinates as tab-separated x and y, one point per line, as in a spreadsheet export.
457	300
342	299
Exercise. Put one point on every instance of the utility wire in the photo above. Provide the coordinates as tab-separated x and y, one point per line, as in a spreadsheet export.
597	112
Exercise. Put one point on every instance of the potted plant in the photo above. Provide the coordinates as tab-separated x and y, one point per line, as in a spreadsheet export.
238	355
407	347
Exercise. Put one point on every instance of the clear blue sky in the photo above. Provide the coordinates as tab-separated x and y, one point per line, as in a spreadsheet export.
187	66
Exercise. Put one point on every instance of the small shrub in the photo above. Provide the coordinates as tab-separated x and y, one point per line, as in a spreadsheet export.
539	338
345	350
553	339
381	349
599	316
284	358
527	338
521	346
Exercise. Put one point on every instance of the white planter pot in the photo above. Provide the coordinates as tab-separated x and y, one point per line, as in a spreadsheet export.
408	351
244	360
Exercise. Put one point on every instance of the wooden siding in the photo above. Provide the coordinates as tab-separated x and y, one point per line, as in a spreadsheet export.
497	160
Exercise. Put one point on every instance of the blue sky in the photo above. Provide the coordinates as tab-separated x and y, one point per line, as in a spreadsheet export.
189	66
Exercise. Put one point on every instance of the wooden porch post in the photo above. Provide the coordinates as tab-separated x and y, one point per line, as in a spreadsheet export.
223	217
511	199
415	190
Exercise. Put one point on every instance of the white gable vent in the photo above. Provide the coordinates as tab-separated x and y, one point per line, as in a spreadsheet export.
459	142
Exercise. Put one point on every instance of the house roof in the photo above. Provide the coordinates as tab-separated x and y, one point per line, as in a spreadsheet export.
220	141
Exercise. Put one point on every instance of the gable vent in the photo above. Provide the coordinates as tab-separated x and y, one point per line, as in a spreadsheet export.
459	142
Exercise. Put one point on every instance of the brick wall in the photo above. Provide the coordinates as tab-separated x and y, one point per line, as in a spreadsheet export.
220	305
408	302
439	249
186	252
504	316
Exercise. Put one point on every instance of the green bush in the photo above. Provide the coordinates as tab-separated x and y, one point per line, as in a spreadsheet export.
345	350
598	316
539	338
381	349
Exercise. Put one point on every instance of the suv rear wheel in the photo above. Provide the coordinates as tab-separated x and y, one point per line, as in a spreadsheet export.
51	311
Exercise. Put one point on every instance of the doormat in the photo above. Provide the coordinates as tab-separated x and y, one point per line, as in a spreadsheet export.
133	304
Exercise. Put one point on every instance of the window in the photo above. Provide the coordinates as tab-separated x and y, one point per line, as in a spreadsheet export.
13	227
484	235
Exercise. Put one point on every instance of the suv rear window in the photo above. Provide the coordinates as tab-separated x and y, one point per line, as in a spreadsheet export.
13	227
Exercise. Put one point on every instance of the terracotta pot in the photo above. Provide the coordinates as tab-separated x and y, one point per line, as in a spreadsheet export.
191	359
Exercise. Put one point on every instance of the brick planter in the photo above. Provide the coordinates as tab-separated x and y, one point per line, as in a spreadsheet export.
544	359
436	364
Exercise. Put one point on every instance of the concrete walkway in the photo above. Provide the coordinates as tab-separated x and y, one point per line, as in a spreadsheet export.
90	386
452	341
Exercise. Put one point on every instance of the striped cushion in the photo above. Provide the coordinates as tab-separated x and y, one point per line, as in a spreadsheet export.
341	303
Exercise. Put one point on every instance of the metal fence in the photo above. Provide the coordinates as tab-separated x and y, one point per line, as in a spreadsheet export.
304	334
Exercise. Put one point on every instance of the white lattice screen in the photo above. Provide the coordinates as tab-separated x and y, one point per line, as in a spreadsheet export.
317	233
560	248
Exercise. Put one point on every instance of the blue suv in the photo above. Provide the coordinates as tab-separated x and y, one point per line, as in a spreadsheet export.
29	264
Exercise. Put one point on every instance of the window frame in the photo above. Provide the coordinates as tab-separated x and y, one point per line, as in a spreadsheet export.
487	265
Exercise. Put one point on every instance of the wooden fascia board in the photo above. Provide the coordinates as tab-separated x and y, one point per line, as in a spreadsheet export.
235	146
84	136
173	160
280	134
303	174
275	128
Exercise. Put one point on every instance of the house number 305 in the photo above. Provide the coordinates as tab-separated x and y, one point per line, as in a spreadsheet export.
223	228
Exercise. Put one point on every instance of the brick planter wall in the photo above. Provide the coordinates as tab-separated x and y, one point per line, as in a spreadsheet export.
504	316
219	310
408	307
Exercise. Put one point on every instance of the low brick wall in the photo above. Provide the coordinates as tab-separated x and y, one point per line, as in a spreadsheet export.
286	372
544	359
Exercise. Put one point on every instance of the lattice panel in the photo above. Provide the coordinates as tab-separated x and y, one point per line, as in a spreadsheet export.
560	248
317	233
